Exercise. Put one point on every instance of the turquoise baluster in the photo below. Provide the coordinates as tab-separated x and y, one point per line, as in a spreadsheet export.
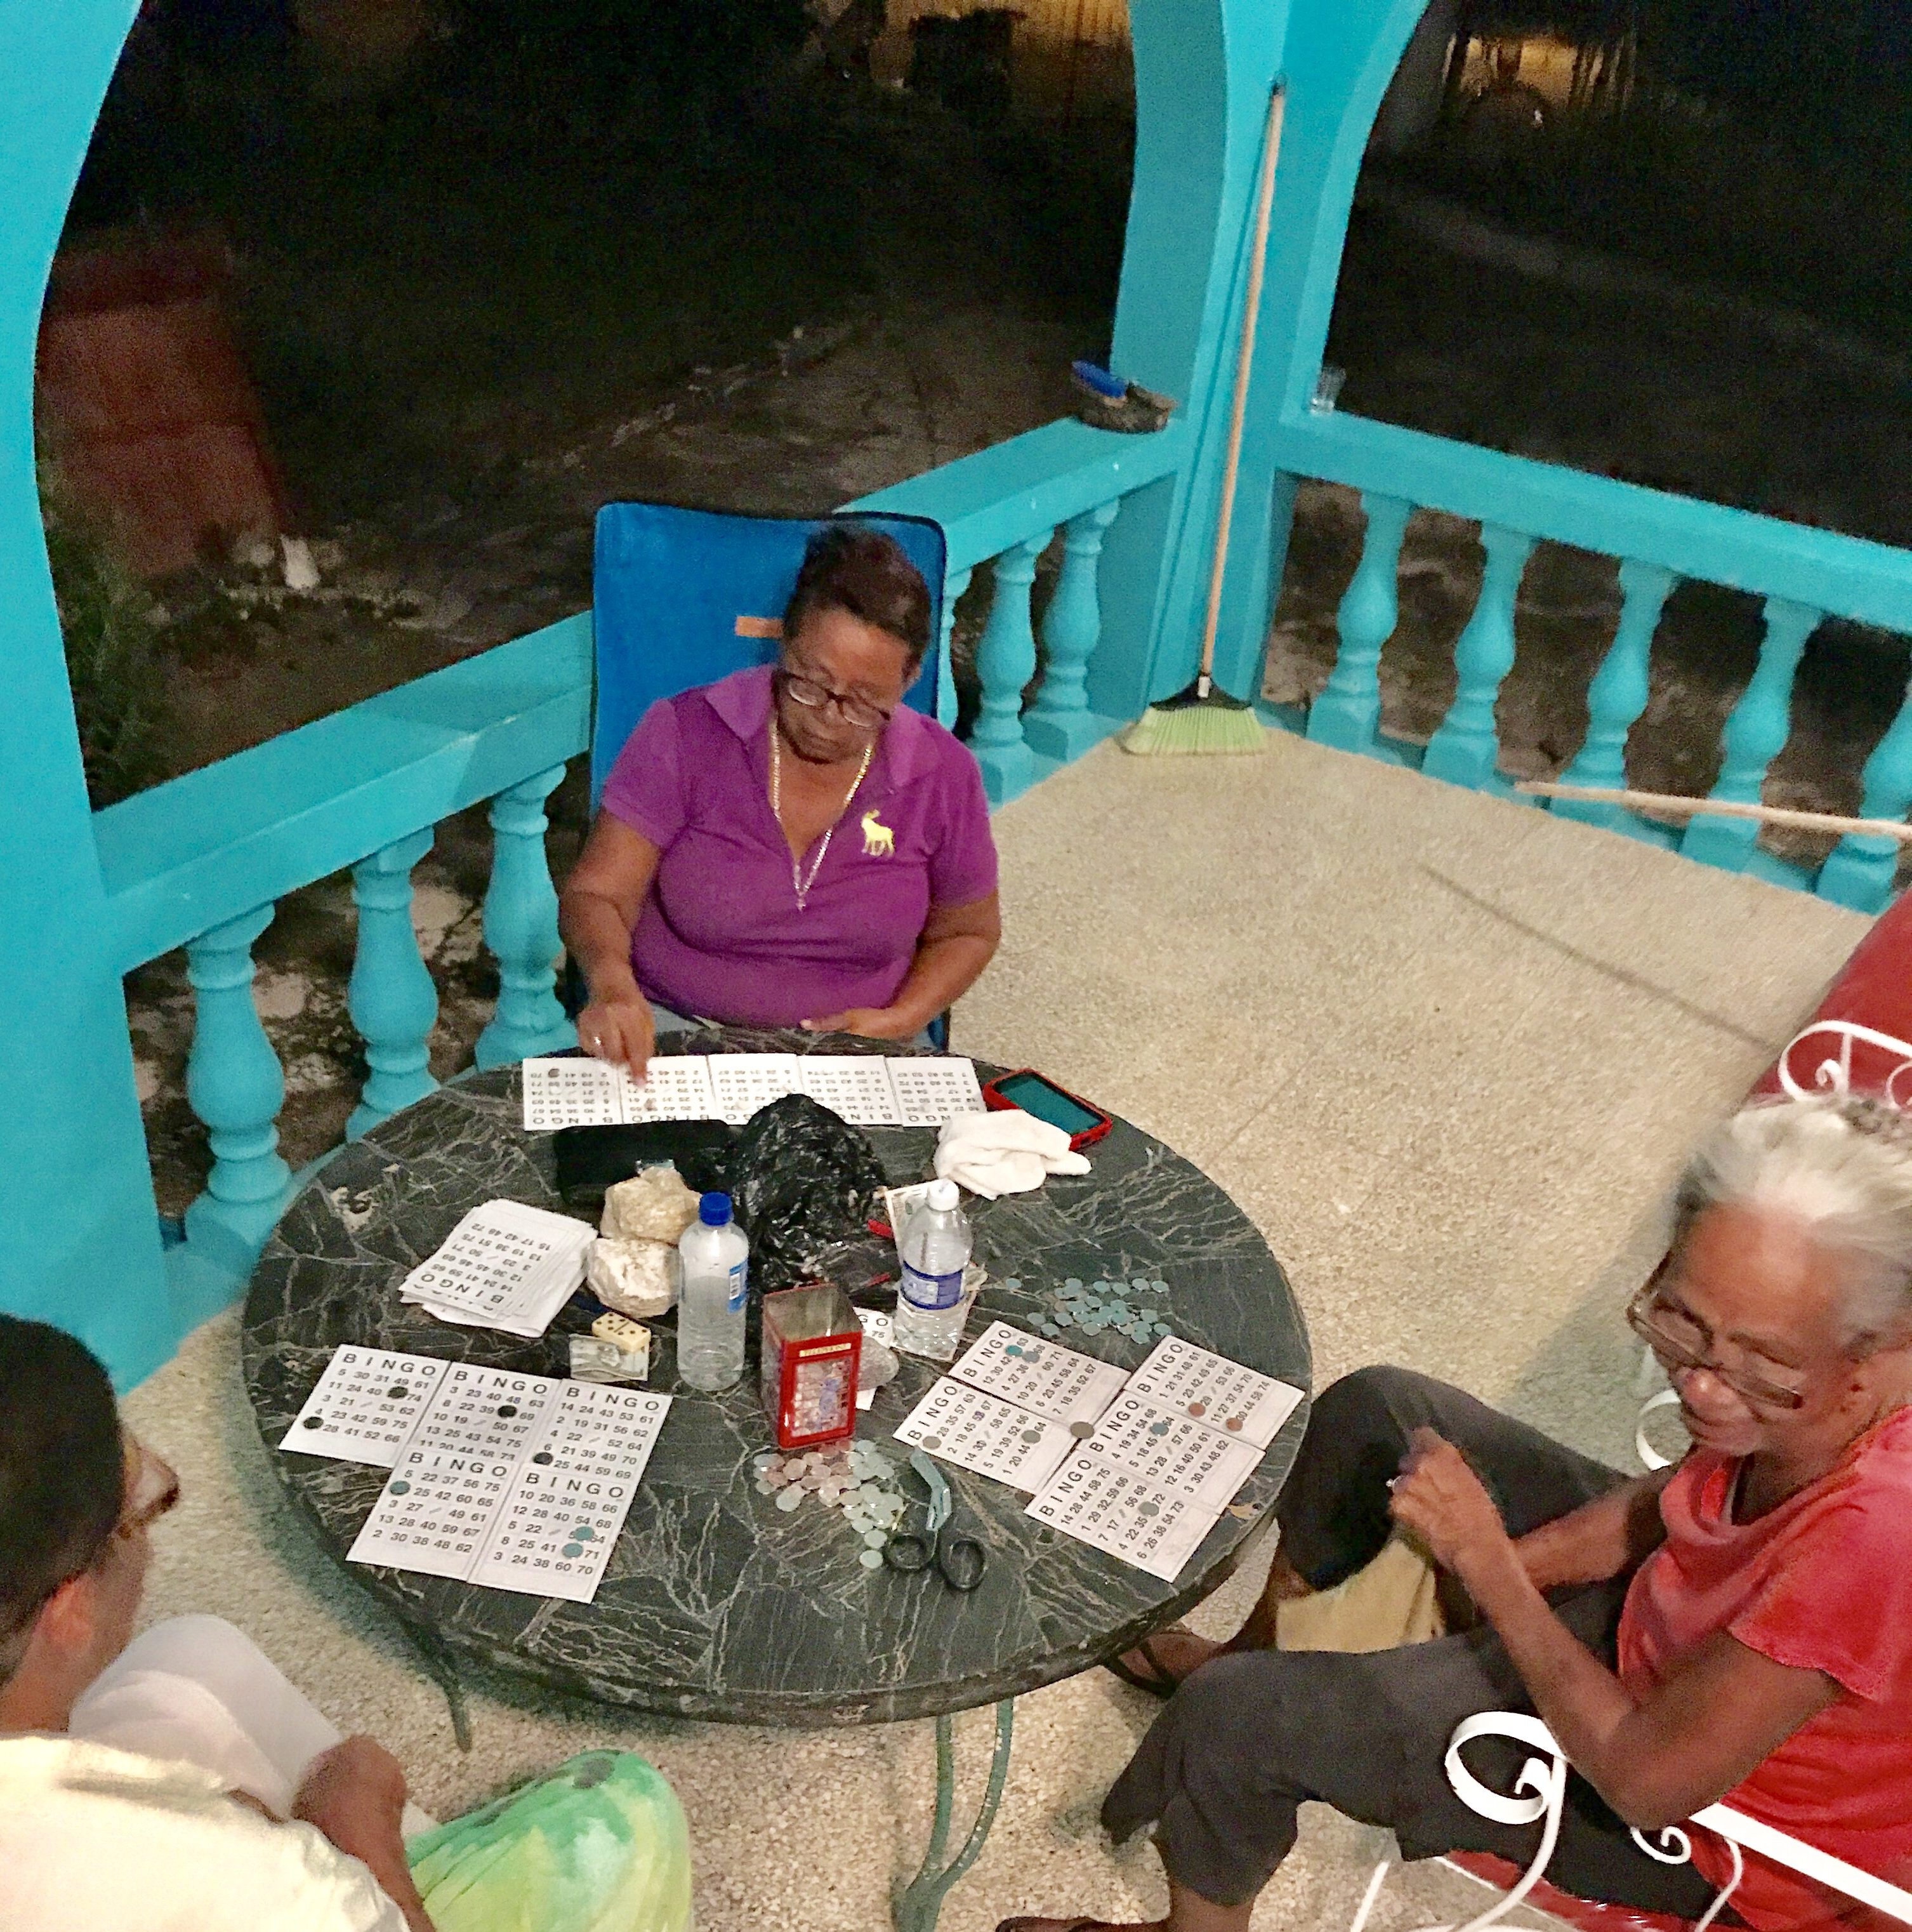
1005	661
391	997
521	928
953	588
1466	751
1347	714
1615	698
1759	727
1059	724
1861	871
235	1084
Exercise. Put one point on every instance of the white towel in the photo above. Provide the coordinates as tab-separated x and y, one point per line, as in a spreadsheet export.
1008	1153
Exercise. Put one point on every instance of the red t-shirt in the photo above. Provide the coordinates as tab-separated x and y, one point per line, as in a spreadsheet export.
1822	1583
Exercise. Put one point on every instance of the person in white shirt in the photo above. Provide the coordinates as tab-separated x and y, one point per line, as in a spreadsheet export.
177	1782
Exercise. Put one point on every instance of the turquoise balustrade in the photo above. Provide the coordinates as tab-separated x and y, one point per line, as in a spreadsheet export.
391	996
521	928
1005	661
1060	725
1803	575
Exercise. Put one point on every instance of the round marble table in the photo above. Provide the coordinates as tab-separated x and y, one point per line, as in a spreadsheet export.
717	1604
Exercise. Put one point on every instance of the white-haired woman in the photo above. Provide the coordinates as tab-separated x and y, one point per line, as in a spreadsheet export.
1738	1627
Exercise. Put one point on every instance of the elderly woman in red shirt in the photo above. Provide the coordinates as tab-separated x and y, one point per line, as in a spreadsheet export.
1738	1627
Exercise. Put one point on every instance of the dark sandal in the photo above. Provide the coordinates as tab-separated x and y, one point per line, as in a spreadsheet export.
1159	1683
1065	1925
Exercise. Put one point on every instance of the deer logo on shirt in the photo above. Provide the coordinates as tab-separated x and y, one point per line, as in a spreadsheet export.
879	841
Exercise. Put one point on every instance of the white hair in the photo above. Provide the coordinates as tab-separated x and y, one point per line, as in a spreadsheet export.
1841	1165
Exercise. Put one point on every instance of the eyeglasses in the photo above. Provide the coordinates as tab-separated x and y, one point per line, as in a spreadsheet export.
1682	1342
152	1488
814	697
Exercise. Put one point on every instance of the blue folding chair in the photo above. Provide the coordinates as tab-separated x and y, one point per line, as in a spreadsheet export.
685	597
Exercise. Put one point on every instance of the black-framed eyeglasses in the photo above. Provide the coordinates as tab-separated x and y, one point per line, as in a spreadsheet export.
1683	1342
805	690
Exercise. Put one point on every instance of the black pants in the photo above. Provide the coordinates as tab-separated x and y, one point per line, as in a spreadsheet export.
1223	1771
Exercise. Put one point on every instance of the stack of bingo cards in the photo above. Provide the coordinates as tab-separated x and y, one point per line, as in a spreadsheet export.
505	1266
515	1482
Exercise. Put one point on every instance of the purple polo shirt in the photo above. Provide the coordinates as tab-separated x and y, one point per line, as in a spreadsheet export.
720	935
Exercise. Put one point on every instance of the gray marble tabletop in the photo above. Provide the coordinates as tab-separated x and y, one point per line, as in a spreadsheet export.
717	1604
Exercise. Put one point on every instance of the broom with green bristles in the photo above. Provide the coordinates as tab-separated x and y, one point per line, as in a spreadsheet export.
1204	718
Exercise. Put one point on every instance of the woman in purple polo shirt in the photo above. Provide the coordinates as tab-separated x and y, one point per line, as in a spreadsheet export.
791	846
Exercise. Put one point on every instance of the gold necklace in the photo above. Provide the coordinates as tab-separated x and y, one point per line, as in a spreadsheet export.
797	879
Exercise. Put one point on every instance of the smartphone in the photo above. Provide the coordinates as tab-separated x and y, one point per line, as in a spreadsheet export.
1036	1094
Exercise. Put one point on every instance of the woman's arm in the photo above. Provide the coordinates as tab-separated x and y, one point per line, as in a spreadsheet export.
1607	1537
596	912
1655	1760
956	943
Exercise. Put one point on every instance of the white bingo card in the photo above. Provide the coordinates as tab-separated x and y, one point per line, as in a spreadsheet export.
975	1431
856	1086
1173	1451
558	1522
436	1511
486	1411
365	1406
586	1093
743	1082
1099	1502
1058	1383
1214	1391
500	1265
930	1090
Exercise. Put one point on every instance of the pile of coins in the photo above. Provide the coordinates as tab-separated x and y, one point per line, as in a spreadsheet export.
1132	1309
856	1477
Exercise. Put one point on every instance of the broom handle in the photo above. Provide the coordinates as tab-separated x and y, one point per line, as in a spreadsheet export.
1264	207
1726	808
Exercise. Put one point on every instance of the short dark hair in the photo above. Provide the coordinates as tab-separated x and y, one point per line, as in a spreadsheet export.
850	567
62	1470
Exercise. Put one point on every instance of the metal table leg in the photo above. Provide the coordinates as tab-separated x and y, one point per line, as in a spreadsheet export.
918	1905
436	1655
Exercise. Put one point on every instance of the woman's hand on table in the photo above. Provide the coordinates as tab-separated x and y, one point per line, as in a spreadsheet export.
872	1022
1439	1502
619	1029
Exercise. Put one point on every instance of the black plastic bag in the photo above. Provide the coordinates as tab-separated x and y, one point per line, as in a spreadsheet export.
804	1181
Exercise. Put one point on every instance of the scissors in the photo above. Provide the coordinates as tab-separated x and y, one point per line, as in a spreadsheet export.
960	1560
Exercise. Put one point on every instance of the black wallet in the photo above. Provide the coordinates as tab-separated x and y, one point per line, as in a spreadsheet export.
589	1159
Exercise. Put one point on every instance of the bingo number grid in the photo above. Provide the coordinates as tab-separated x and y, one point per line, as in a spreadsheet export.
1173	1451
513	1481
979	1432
1059	1383
1099	1502
1212	1390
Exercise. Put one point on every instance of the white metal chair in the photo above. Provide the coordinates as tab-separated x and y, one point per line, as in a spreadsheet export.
1540	1790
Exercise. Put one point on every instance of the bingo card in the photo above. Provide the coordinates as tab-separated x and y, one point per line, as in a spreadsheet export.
856	1086
931	1090
1214	1391
982	1432
365	1406
1101	1503
480	1412
743	1082
1056	1382
584	1093
504	1265
1173	1451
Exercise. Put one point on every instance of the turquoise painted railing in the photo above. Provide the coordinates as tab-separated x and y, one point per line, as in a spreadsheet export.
202	863
1803	575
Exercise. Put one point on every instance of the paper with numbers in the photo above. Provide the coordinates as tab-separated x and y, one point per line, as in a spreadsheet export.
962	1425
1100	1502
583	1093
857	1086
515	1482
743	1082
1057	1383
1209	1389
930	1090
365	1406
1173	1451
505	1266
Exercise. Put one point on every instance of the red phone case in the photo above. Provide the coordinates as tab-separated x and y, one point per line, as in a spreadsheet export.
997	1102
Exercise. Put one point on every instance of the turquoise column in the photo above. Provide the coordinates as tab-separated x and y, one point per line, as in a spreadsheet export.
1861	872
1757	730
953	588
80	1234
1059	724
521	928
1466	750
235	1084
1347	715
391	997
1005	661
1616	698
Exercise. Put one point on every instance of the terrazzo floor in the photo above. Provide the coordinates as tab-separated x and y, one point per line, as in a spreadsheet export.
1447	1052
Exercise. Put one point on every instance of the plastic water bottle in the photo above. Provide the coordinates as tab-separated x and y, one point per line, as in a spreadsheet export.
715	1253
930	1307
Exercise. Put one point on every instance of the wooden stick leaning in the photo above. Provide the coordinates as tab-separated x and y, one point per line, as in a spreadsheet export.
1725	807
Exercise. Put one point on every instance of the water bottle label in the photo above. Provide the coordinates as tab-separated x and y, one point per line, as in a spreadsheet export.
739	1278
931	1291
